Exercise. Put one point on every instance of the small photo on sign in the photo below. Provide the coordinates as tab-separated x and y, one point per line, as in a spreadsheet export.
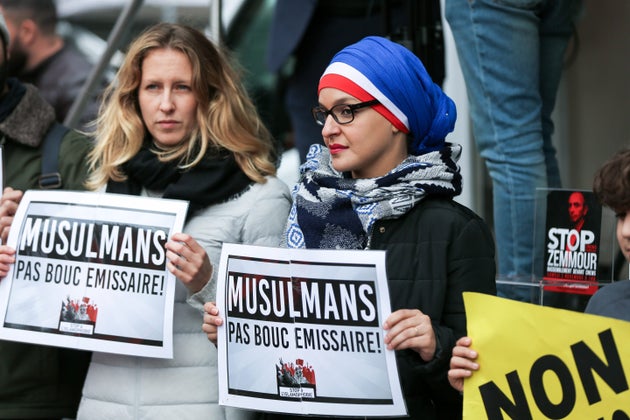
78	316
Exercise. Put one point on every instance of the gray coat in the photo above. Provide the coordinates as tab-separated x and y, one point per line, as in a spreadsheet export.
186	387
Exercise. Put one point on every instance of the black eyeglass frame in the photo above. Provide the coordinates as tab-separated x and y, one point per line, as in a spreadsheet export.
352	107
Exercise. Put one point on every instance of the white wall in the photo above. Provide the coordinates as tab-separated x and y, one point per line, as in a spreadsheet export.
597	91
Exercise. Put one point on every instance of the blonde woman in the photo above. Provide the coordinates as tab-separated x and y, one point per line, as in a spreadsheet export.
177	123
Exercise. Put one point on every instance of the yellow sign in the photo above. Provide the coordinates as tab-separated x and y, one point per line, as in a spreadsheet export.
545	363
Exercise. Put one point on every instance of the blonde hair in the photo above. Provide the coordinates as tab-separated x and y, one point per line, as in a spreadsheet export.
226	116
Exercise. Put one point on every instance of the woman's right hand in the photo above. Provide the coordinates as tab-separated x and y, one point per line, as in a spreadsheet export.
8	206
7	258
462	363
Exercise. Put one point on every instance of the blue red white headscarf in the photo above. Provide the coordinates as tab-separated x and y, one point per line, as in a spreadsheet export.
376	68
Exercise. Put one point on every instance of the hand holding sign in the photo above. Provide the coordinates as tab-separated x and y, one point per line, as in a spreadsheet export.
211	320
7	257
462	363
8	206
410	329
188	261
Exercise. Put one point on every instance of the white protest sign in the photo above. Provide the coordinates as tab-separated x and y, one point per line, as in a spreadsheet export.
90	272
303	332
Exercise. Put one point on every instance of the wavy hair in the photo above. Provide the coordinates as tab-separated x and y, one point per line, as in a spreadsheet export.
611	182
226	116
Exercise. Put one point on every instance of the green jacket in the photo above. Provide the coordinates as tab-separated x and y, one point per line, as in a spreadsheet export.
39	381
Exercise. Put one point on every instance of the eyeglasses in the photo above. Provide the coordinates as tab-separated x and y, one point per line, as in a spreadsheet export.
342	113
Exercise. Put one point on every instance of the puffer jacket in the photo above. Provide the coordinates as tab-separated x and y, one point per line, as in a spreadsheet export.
436	251
38	381
186	387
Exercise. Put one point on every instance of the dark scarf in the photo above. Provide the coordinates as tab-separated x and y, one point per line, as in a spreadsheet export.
215	179
331	211
12	98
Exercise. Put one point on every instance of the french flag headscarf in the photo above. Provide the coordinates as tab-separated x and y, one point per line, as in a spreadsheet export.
377	68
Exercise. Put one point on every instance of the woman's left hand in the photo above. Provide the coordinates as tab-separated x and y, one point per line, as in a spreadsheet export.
410	329
211	321
188	261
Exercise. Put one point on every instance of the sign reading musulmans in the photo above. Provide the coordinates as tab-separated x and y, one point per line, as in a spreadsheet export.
303	332
90	272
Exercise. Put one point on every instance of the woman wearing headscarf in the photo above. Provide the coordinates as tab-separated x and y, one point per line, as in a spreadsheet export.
386	181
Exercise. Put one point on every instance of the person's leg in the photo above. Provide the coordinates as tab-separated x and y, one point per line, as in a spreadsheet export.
498	48
556	29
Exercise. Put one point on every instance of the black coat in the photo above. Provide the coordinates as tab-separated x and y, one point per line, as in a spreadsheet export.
434	253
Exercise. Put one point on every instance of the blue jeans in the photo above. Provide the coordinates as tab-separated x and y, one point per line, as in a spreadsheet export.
512	54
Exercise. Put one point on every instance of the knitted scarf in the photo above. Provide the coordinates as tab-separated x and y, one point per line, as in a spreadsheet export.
215	179
333	211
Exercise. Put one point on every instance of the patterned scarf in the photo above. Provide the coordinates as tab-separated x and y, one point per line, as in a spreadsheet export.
332	211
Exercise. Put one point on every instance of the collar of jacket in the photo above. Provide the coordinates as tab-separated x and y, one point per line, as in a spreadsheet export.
30	120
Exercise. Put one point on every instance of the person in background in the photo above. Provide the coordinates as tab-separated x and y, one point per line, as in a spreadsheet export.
296	31
512	54
30	384
177	123
612	188
41	57
385	180
305	34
